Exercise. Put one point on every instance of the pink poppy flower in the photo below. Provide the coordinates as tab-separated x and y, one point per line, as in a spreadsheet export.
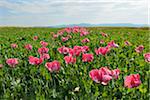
147	57
127	43
112	44
104	75
104	34
35	60
1	66
115	73
83	33
28	47
35	38
139	49
102	50
76	29
68	30
45	56
12	62
44	44
101	76
105	70
53	66
87	57
76	51
71	52
83	30
55	36
13	45
101	41
60	32
86	40
95	75
63	50
43	50
69	60
77	47
64	39
85	49
132	81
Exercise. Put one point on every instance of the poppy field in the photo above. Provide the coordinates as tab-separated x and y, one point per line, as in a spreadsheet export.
94	63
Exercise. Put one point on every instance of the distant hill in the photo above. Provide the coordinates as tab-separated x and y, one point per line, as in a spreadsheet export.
107	25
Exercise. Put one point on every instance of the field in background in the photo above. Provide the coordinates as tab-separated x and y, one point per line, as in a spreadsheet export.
29	81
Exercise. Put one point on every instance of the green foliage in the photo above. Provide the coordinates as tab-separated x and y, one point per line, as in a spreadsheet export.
36	82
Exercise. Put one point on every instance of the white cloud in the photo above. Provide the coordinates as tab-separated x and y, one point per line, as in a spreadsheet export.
46	12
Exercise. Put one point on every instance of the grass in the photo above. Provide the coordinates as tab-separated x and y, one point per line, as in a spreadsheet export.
29	82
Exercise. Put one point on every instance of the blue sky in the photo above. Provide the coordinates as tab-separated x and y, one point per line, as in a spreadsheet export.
57	12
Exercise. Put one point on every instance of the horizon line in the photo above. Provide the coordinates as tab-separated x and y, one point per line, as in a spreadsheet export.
144	25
